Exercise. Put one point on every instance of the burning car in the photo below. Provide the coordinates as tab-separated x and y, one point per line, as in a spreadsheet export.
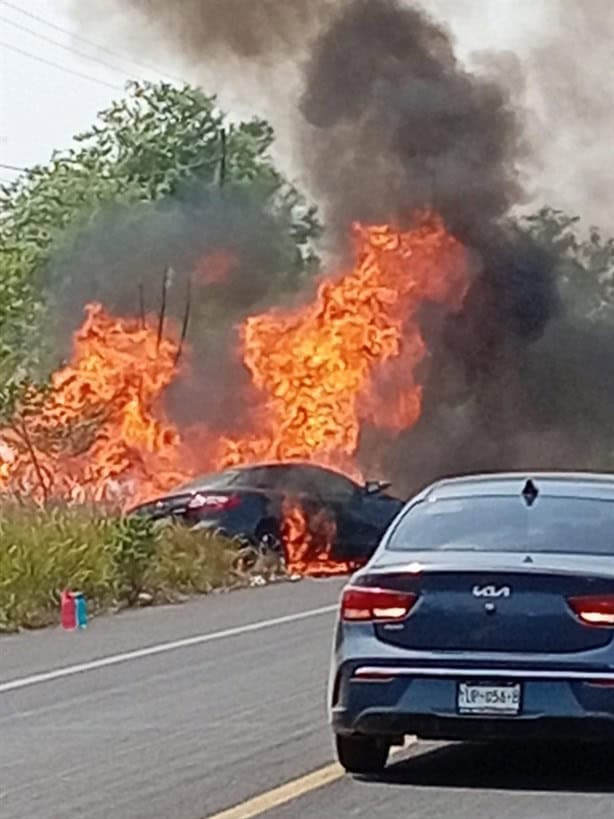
319	517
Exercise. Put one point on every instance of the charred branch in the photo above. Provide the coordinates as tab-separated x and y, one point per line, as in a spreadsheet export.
186	320
21	430
166	278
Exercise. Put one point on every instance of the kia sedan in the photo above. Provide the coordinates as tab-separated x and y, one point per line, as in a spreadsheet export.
487	612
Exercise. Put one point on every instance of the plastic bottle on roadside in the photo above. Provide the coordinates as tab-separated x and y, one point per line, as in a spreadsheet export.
68	615
80	610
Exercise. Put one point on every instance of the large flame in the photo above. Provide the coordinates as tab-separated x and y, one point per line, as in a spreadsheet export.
322	368
100	431
322	372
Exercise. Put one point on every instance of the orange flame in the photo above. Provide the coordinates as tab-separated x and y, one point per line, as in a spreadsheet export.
308	542
318	366
321	372
348	358
100	433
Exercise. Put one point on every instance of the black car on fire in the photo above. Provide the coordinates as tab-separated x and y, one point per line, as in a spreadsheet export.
248	502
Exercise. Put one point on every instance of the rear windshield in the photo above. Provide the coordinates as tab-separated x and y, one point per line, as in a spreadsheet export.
486	524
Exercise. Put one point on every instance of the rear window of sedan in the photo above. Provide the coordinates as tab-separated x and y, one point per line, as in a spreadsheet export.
507	523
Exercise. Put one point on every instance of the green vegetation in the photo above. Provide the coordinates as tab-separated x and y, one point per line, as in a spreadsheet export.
112	560
146	156
585	264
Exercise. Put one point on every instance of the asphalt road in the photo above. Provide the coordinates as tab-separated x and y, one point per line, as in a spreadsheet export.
187	711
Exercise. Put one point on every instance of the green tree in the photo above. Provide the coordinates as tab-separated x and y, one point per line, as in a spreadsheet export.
585	264
160	144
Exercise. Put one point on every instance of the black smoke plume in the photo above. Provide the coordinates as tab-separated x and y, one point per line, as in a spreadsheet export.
261	29
398	124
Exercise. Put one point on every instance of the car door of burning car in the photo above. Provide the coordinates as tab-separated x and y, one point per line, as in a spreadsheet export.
362	517
343	499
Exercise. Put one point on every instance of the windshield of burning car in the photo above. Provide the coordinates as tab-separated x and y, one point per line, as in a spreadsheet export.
508	524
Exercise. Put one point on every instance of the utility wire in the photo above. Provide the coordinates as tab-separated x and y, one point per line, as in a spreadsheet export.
12	167
80	54
122	56
60	66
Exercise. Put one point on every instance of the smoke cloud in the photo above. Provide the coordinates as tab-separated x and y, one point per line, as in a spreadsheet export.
398	124
263	30
574	108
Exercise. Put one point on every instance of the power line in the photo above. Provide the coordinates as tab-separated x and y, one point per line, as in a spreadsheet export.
80	54
92	43
12	167
60	66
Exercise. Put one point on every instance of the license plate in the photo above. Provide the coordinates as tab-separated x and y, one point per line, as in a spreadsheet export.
488	699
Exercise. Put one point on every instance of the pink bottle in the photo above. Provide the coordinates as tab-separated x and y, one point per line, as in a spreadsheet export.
68	616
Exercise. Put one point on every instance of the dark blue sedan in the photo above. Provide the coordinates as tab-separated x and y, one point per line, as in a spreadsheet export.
248	502
487	612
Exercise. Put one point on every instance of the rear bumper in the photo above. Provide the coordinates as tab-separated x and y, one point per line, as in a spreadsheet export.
426	726
381	699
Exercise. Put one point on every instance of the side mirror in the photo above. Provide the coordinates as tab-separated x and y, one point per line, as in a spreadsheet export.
374	487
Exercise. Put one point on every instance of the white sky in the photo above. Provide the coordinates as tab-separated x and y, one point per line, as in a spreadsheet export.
42	106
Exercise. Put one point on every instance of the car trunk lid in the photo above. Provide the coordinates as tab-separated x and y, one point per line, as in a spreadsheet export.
500	603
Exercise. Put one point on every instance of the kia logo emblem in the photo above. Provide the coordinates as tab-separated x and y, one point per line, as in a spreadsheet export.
491	591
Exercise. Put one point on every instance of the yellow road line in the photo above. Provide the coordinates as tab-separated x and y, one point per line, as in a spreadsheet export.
284	793
258	805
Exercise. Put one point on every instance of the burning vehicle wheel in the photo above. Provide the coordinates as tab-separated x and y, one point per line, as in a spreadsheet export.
362	755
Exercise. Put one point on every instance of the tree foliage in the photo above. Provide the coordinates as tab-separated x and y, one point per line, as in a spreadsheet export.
153	145
585	263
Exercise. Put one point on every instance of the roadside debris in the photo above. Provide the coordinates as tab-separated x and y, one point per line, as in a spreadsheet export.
259	566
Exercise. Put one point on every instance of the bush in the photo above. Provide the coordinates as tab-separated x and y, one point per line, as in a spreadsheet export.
134	545
188	562
112	560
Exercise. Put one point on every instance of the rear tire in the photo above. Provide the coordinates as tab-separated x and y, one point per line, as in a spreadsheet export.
362	755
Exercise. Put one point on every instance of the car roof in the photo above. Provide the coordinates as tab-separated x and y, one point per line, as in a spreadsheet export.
282	465
553	484
210	478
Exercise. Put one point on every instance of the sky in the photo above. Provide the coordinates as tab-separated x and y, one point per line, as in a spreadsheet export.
43	105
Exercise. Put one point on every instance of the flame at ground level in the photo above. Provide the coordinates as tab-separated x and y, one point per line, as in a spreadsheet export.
320	372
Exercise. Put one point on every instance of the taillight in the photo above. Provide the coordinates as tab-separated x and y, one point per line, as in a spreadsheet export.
213	503
594	610
373	604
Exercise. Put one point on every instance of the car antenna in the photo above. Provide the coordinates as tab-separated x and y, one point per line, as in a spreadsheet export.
530	492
